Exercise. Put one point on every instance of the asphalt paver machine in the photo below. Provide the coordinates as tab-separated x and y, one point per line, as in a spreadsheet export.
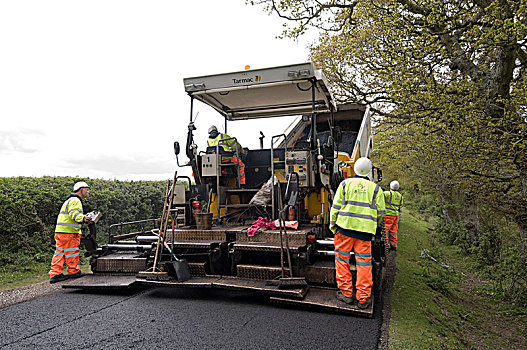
294	178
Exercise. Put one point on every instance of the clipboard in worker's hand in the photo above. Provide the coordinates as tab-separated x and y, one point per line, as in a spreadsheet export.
94	215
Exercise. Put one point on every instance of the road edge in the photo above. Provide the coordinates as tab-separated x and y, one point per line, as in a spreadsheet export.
389	280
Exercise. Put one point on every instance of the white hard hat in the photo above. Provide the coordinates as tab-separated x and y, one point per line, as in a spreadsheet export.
79	185
394	185
212	128
362	166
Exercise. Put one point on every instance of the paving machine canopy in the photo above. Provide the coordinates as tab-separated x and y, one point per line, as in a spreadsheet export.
270	92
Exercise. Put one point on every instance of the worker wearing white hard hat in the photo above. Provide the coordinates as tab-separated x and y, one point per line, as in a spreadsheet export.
357	209
68	234
394	202
362	167
79	185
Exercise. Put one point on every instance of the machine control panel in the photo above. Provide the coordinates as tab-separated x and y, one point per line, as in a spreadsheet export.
179	194
299	162
208	165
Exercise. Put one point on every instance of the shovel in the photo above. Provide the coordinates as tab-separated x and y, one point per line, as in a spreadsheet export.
179	267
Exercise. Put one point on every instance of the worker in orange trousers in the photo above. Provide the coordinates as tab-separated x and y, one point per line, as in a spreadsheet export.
68	235
394	202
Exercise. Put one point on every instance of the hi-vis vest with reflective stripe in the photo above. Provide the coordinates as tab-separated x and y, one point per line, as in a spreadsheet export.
358	205
394	202
70	217
229	146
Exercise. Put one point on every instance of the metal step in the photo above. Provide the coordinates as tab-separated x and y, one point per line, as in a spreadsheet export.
197	269
324	299
231	283
321	272
258	272
318	298
297	237
101	281
196	235
260	287
121	262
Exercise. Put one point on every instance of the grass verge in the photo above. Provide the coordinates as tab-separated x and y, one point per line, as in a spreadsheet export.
438	302
15	276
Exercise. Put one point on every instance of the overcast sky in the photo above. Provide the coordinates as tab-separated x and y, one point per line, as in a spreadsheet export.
95	88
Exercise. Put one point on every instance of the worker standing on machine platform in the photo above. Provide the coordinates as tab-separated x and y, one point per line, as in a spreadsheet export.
357	209
68	234
228	146
394	202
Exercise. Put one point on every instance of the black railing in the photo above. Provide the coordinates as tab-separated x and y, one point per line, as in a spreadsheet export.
141	224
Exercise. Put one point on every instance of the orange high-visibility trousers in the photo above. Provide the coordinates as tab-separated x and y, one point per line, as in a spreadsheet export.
344	245
241	167
391	226
66	251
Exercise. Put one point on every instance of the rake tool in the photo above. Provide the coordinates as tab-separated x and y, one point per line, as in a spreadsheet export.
291	281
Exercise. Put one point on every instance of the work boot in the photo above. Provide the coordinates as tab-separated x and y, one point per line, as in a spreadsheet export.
364	305
76	275
57	278
343	298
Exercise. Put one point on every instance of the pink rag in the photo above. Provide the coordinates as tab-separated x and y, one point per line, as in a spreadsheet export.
258	224
289	224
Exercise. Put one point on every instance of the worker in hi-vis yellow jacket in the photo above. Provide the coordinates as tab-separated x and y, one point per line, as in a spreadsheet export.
229	146
68	234
357	209
394	202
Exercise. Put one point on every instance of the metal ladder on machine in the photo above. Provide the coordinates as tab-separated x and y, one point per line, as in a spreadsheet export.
273	162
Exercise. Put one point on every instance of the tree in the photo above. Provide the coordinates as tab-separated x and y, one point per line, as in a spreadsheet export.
453	69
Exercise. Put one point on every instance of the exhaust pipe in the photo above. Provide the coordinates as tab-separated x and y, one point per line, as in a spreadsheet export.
129	247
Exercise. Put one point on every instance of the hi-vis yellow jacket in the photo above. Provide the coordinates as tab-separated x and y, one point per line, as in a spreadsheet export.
70	217
394	202
358	205
229	146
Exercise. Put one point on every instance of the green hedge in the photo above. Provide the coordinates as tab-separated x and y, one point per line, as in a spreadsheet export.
29	209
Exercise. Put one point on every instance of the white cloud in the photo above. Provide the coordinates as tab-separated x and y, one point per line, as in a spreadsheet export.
103	81
127	164
21	140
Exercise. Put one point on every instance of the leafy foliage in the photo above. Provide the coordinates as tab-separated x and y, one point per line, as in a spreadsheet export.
446	80
30	207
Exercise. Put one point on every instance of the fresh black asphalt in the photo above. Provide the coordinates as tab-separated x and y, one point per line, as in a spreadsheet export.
178	319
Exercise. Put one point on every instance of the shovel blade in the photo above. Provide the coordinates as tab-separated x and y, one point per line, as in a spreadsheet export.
179	269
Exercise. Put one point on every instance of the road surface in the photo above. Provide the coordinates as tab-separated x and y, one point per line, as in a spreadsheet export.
178	319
